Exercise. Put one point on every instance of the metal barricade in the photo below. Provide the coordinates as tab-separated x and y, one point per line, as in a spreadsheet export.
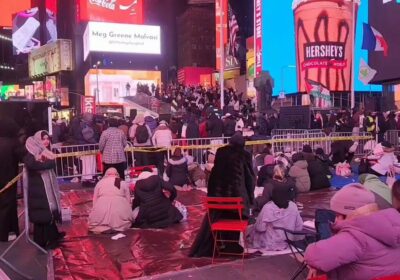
285	132
83	166
294	142
393	137
362	148
194	147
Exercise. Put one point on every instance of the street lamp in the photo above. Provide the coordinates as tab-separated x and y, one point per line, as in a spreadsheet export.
282	93
97	95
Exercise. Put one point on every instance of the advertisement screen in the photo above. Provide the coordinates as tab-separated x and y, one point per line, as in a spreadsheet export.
122	38
11	7
118	11
26	30
114	85
319	45
8	91
388	25
220	27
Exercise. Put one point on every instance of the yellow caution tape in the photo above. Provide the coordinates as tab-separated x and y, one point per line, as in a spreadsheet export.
210	146
11	183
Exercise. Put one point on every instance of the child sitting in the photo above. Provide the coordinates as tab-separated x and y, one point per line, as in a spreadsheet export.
280	212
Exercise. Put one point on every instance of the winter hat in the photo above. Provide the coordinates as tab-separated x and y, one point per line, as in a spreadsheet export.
269	160
307	149
319	151
350	198
237	140
297	156
144	175
281	196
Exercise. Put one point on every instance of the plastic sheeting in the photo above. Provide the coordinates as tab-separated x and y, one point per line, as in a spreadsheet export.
141	253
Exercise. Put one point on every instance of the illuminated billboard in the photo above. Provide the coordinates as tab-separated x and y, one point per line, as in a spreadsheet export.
26	30
385	17
122	38
304	46
51	58
11	7
114	85
117	11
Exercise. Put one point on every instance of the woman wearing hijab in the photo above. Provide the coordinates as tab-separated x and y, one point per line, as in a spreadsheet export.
43	191
111	205
280	212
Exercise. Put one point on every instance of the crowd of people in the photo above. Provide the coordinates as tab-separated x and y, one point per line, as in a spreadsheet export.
364	242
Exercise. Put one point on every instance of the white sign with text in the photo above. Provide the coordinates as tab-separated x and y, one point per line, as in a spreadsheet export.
121	38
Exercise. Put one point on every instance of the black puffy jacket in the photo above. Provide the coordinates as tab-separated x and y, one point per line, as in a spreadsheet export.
155	209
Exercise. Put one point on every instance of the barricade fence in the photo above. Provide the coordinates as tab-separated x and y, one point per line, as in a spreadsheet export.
84	161
393	137
286	132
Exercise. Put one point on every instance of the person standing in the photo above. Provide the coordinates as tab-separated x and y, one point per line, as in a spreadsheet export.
8	170
232	176
112	146
43	191
140	135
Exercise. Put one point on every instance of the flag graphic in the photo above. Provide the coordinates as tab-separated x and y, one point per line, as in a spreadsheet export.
321	94
373	40
366	73
233	30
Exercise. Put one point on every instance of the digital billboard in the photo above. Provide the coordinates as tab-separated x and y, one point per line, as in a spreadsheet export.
11	7
117	11
26	30
114	85
122	38
320	43
386	19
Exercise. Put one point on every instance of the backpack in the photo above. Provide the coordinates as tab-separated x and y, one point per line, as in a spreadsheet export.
87	133
141	134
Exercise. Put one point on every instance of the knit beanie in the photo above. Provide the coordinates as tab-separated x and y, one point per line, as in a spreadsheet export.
269	160
350	198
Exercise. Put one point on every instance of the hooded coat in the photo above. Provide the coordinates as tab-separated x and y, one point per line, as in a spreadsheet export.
382	192
155	209
111	207
366	247
300	175
178	171
262	234
318	174
232	176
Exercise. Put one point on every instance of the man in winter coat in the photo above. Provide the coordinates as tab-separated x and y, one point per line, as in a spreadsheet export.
215	126
367	240
112	146
140	135
229	125
162	138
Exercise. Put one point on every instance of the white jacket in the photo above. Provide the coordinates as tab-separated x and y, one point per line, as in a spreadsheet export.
384	163
162	137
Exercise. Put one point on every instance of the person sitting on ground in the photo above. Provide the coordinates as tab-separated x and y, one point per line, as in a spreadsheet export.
154	209
385	162
266	172
382	192
396	195
111	210
280	212
367	240
177	171
299	173
318	173
279	180
323	159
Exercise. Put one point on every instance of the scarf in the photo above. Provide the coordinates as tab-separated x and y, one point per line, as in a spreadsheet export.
35	147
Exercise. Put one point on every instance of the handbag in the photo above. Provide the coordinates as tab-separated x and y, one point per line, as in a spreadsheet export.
343	169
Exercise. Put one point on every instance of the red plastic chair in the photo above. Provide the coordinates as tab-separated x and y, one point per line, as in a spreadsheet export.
233	204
